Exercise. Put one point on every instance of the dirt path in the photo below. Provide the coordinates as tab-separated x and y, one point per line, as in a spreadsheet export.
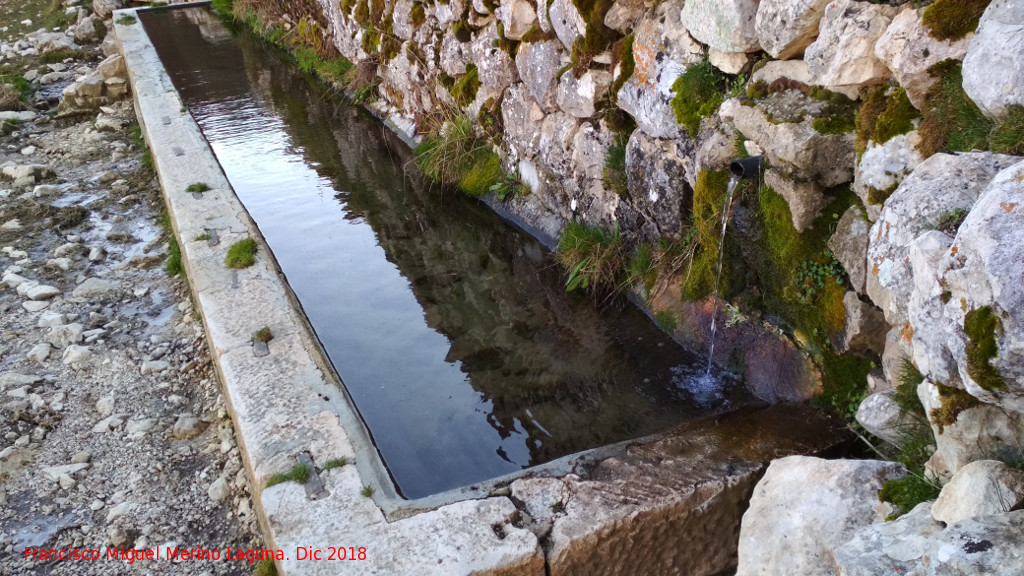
113	430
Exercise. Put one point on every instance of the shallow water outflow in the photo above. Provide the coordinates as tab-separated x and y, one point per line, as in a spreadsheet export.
451	330
726	206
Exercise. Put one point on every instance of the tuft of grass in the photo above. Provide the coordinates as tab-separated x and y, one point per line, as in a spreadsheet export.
456	155
263	335
953	401
58	55
907	380
242	254
557	507
953	19
907	492
127	20
1007	137
952	122
335	463
367	491
666	320
628	65
298	473
981	326
593	257
265	568
874	104
642	268
698	94
173	265
197	187
615	166
202	237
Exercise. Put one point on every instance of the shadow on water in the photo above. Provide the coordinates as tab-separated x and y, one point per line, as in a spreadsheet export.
450	329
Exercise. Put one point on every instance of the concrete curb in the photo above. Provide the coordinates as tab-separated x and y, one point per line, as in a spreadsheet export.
277	402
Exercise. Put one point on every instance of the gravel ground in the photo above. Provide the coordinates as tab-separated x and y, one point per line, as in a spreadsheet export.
113	430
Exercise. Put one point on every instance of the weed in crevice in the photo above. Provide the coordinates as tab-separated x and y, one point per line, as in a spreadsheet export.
367	491
642	269
981	327
952	122
298	473
907	492
615	167
908	378
202	237
949	222
883	116
466	86
511	186
173	265
263	335
242	254
593	256
127	20
335	463
952	401
455	155
557	507
197	187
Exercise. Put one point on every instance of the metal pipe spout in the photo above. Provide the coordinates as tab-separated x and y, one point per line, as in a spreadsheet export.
746	167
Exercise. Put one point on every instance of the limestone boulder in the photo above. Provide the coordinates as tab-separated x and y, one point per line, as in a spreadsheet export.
495	68
659	195
448	12
403	26
726	25
785	27
981	488
105	8
994	65
794	148
803	508
865	328
985	545
538	65
624	15
897	547
86	31
880	415
556	138
566	21
795	70
981	294
522	118
716	148
979	432
805	199
849	244
844	52
728	62
909	51
940	185
884	166
517	17
662	49
578	96
454	55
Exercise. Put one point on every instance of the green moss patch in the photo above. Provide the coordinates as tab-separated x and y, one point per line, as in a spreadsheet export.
623	53
981	326
953	401
952	122
953	19
242	254
699	91
906	493
907	380
615	167
708	202
55	55
466	86
483	174
883	117
878	197
418	16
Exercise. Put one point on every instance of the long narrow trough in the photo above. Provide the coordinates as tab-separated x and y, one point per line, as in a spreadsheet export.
430	312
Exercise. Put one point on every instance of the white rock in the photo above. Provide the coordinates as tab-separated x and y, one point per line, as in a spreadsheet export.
816	505
35	305
50	319
517	17
97	254
994	66
59	263
566	21
66	482
107	424
151	366
95	289
785	27
137	428
909	51
880	415
105	406
75	354
726	25
65	335
885	166
577	96
42	292
865	327
119	510
11	225
39	353
728	62
219	490
844	53
53	473
897	547
981	488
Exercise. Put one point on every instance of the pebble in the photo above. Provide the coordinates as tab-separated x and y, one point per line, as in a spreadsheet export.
40	352
219	490
105	406
81	457
96	505
97	254
28	150
53	473
154	366
42	292
35	305
75	354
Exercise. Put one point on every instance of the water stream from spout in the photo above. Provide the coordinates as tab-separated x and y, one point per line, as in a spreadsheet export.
726	206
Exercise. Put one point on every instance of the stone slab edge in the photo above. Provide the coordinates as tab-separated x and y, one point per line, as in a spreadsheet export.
285	403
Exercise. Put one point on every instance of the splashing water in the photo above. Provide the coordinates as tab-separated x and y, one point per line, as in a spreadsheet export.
726	206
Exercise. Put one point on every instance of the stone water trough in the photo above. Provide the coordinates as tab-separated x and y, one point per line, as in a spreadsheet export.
665	504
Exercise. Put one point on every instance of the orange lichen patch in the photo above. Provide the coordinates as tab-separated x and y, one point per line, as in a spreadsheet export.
954	250
645	53
874	269
1008	207
963	304
907	333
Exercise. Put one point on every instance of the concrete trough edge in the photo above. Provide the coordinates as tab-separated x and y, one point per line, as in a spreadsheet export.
285	405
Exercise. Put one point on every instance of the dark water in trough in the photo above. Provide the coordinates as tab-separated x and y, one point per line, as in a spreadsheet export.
450	329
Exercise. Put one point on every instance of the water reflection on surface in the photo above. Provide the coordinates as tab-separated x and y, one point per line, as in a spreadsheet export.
450	329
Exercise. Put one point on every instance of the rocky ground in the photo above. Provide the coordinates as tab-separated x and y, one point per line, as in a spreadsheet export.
113	430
